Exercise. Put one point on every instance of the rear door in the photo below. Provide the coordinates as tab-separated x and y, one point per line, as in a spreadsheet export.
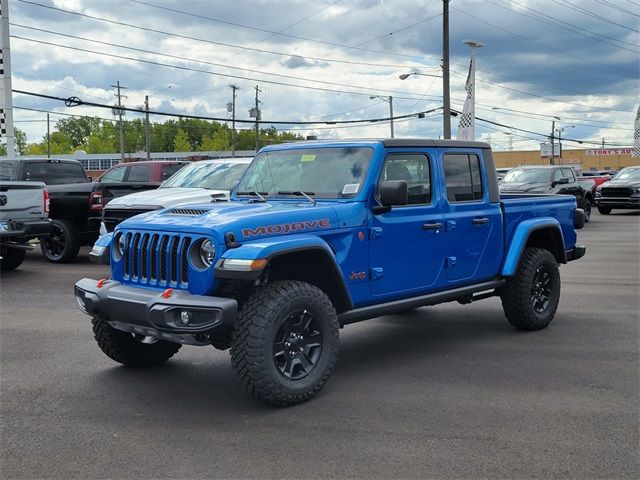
406	246
473	225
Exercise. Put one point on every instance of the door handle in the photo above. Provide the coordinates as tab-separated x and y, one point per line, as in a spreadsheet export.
480	221
432	226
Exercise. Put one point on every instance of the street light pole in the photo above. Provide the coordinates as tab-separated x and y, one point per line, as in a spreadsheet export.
389	100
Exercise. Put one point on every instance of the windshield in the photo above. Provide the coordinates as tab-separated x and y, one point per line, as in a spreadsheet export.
8	170
527	175
628	174
321	172
214	176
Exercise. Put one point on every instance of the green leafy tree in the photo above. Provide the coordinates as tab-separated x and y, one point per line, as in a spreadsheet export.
78	129
181	142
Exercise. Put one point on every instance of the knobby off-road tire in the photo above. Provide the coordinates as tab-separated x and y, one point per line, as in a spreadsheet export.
62	245
126	349
530	298
12	258
604	210
285	343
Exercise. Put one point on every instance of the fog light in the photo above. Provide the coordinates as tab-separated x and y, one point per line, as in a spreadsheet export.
185	317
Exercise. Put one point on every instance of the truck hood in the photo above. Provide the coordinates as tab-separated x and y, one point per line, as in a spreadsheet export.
526	187
622	184
164	197
249	220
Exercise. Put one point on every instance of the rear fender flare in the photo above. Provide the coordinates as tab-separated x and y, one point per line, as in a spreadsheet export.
521	237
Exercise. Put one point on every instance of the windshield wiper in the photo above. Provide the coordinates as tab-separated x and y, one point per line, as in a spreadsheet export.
255	194
299	193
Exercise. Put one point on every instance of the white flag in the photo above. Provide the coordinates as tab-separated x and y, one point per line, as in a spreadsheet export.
466	124
636	135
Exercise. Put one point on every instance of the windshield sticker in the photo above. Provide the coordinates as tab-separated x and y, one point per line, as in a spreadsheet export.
350	188
307	158
286	228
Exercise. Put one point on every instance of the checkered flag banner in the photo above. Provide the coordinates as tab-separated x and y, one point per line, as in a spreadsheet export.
466	124
636	135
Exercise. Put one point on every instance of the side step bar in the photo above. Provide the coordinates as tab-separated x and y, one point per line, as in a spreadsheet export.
365	313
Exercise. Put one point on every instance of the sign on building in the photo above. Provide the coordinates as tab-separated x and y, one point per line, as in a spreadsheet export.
610	151
545	150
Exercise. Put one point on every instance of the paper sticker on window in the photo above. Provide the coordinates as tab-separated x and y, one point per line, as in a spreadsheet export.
307	158
350	188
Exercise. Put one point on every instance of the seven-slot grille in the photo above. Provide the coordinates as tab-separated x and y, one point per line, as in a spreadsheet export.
616	191
156	259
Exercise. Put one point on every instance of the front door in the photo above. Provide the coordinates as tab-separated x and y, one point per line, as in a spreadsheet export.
406	246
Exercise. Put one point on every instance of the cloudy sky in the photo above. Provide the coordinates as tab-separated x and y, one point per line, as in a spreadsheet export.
322	61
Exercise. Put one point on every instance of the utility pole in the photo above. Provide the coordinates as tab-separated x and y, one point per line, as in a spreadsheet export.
256	113
446	107
119	112
6	96
233	120
48	139
391	114
553	147
147	128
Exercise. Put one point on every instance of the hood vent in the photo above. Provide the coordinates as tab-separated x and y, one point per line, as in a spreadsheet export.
188	211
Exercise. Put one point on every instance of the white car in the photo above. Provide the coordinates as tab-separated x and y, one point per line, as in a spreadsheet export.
194	183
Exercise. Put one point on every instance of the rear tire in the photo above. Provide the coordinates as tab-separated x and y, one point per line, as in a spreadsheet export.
127	349
604	210
12	258
530	298
285	343
587	207
63	244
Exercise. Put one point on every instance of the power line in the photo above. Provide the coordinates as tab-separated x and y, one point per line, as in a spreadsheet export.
584	11
616	7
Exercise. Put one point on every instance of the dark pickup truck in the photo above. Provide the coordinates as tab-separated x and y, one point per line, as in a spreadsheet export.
550	179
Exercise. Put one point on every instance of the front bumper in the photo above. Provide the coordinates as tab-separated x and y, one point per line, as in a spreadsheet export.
172	315
576	252
27	230
618	202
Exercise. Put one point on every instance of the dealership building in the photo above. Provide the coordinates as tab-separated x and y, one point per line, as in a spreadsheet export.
580	159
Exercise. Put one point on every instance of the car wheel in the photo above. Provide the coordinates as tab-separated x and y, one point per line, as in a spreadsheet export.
604	210
586	206
12	258
62	245
129	349
285	343
530	298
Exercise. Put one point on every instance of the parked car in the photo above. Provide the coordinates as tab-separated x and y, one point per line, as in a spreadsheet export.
196	182
318	235
131	177
74	200
24	211
550	179
595	177
622	191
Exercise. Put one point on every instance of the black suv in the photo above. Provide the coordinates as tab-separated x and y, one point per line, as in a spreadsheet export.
622	191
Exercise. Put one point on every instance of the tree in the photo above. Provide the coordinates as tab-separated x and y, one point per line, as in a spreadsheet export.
78	129
21	142
181	142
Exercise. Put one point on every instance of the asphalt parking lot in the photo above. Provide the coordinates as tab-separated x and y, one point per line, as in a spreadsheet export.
445	392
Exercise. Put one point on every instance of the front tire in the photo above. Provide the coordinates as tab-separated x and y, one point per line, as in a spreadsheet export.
530	298
12	258
131	350
604	210
63	244
285	343
587	207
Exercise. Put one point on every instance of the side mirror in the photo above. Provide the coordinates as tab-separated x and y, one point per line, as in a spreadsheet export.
562	181
392	192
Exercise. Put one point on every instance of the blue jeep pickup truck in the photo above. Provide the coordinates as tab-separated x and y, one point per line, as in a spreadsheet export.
318	235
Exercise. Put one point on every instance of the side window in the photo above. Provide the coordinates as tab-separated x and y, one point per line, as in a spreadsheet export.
462	177
568	174
168	170
557	175
55	173
415	170
115	175
139	173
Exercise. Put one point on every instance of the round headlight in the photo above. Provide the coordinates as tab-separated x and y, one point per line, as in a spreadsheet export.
207	253
120	244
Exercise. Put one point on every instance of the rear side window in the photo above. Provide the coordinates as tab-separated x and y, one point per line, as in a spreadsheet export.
55	173
169	170
8	170
139	173
114	175
462	178
568	174
413	169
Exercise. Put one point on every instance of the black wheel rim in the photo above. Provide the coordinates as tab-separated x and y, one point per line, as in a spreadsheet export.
298	345
587	209
541	290
55	243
